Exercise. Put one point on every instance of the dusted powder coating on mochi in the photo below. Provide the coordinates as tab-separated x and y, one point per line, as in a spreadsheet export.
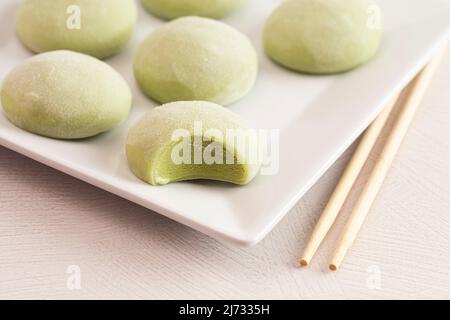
192	58
324	36
106	25
170	9
65	95
149	145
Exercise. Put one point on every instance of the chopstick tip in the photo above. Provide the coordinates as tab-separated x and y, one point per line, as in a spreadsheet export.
304	262
333	267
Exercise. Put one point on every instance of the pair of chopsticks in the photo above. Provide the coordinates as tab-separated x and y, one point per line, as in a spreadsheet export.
375	180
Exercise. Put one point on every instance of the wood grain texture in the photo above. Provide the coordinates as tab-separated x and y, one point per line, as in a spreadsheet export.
49	221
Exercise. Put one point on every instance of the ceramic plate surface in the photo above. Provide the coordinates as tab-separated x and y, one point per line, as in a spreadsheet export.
318	118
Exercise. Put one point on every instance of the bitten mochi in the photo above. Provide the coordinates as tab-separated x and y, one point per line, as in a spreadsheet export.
154	145
65	95
100	28
193	58
324	36
170	9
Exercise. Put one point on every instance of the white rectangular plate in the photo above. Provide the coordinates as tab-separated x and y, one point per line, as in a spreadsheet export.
318	118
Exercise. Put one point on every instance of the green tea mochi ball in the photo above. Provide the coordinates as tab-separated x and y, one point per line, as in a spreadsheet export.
99	28
192	140
195	58
65	95
324	36
170	9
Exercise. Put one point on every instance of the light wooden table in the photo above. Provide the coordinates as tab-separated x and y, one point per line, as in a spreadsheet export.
51	224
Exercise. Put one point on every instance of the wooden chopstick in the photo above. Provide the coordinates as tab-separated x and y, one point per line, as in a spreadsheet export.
354	168
384	162
345	184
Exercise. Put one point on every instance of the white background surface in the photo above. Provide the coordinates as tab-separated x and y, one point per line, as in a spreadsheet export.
49	221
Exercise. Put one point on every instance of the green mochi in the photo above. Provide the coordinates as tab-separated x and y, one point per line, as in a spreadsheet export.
65	95
193	58
105	25
170	9
324	36
151	145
